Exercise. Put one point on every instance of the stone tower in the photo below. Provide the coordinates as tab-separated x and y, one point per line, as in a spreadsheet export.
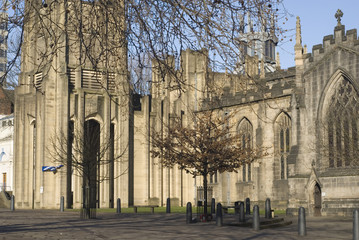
70	82
257	47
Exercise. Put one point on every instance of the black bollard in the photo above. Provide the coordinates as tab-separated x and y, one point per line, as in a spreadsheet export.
301	222
189	213
168	205
12	203
248	206
356	225
62	203
236	208
242	217
118	205
219	215
213	206
256	222
268	212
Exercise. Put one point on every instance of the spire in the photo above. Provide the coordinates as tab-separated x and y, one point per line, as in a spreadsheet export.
272	25
263	24
277	61
298	37
298	49
241	23
249	23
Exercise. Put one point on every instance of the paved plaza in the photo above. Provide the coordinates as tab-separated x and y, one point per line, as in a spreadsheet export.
51	224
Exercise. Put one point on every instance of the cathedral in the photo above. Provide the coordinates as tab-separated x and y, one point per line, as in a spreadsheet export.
306	116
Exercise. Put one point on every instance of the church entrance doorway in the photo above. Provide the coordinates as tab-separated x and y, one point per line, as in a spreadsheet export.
317	195
91	164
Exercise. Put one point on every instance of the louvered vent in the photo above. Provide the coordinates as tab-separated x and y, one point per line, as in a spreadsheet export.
91	79
111	81
38	81
72	76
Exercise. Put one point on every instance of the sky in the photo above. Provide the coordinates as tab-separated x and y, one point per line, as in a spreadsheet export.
317	20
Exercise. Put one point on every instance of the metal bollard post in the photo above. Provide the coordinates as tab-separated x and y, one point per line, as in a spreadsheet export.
256	222
248	206
168	205
241	212
219	215
62	203
118	205
268	212
189	213
356	225
302	231
213	206
12	203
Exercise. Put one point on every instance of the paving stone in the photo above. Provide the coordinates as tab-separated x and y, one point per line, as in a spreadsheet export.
52	224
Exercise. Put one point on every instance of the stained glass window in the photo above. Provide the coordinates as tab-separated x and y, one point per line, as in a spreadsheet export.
342	132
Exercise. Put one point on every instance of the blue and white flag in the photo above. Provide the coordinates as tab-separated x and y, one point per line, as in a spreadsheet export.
51	168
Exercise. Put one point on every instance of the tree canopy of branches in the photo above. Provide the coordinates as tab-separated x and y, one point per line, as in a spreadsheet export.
103	32
84	153
211	144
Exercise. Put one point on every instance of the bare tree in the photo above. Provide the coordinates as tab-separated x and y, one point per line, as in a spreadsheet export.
212	144
111	35
84	152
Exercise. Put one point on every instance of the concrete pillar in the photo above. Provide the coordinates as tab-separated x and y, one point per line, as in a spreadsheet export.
302	231
268	213
256	221
219	215
356	224
189	213
118	205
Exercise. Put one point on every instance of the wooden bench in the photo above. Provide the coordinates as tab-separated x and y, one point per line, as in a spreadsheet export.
148	206
225	208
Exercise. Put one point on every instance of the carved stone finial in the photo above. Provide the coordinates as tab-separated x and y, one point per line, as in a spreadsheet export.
338	15
277	61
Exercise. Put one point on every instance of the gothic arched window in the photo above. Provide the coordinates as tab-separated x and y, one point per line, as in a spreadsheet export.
283	132
246	138
342	125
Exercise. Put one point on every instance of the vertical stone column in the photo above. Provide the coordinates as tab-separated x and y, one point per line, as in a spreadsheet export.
79	130
105	143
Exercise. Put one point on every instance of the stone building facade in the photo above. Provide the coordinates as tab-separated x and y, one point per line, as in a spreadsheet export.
305	116
62	99
6	139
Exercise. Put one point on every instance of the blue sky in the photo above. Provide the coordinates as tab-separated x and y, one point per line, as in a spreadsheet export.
317	20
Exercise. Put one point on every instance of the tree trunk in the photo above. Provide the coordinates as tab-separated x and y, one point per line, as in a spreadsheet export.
89	201
205	194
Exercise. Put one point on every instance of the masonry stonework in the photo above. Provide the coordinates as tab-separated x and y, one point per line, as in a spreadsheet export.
285	111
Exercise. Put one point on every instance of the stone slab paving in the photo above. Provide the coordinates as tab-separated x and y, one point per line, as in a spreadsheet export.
51	224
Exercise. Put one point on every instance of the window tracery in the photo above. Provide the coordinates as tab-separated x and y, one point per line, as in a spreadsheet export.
342	125
283	131
246	135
